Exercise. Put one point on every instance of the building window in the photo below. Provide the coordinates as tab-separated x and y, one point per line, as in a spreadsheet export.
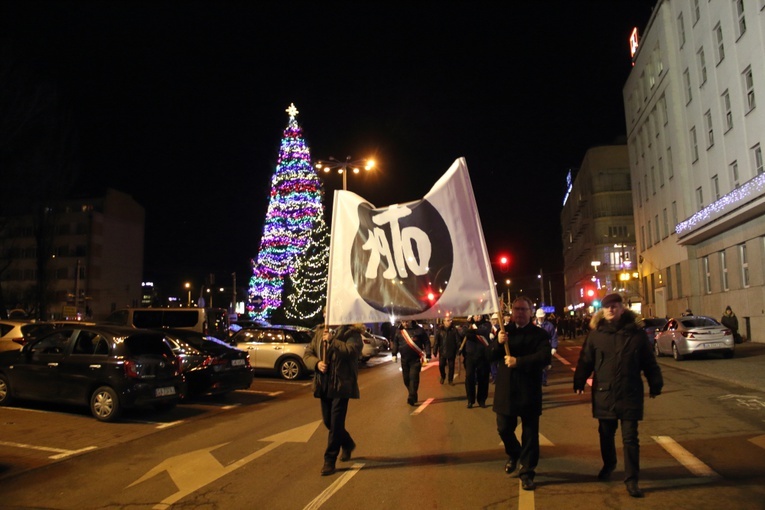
650	243
716	187
656	235
728	113
674	216
642	237
640	194
670	169
696	12
741	26
744	265
661	172
699	198
734	174
720	47
663	109
687	82
710	130
653	180
749	87
702	67
757	159
707	276
665	218
681	30
669	283
724	270
679	279
645	179
694	145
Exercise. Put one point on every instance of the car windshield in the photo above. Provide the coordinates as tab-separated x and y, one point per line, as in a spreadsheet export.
699	322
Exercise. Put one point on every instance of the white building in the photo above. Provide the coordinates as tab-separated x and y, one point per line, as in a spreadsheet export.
695	137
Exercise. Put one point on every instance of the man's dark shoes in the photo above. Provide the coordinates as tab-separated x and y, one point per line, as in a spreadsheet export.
328	468
482	404
527	483
470	405
345	454
605	473
510	465
442	380
634	490
410	402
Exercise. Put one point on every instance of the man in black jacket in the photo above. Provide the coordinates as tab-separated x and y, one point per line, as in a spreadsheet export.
518	389
617	351
477	366
447	341
413	344
334	358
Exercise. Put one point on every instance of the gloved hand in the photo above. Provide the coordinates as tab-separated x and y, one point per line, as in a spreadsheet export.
553	351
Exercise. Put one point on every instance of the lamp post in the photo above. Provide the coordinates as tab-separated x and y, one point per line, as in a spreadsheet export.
343	167
188	287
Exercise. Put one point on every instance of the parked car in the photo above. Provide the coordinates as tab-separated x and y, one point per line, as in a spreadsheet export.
382	342
684	336
210	366
651	325
279	348
108	368
15	333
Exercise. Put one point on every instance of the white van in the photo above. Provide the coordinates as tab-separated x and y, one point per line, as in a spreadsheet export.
208	321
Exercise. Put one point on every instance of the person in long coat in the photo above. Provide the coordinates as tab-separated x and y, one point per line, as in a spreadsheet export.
447	340
730	321
616	351
334	359
518	389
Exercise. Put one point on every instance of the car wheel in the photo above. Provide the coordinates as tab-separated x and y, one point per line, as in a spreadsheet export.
656	349
676	354
290	369
727	354
105	404
5	391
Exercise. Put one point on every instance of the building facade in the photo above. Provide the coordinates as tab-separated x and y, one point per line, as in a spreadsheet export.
598	231
96	259
695	136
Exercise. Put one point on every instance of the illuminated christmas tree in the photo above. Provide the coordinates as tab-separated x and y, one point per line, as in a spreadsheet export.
294	210
308	283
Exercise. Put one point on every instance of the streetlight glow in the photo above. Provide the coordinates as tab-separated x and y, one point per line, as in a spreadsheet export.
342	167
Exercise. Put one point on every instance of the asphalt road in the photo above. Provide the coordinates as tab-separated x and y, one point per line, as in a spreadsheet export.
702	446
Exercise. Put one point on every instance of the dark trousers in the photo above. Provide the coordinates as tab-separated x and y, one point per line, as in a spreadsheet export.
444	364
333	411
410	368
476	379
527	451
630	442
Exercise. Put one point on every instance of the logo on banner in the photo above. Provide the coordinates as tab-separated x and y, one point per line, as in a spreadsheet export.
400	255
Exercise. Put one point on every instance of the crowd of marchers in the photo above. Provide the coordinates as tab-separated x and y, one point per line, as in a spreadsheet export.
513	354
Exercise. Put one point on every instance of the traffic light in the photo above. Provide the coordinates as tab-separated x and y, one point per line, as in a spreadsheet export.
504	263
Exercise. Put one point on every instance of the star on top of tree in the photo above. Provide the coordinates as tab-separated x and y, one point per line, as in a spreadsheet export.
292	110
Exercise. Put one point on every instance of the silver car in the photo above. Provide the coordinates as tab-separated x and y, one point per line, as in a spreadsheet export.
279	348
693	334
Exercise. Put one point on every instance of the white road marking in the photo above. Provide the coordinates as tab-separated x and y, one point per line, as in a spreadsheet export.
759	441
685	457
61	453
332	489
543	441
267	393
561	359
422	407
525	498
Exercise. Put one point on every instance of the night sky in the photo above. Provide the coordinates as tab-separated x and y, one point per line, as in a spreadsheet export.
182	105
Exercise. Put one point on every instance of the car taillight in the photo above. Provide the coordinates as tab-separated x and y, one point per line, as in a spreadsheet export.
687	334
727	332
21	340
211	361
131	369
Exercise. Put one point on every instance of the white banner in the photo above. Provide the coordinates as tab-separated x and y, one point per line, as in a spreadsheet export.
419	260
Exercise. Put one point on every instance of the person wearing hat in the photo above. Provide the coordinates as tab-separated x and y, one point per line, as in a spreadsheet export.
552	331
616	351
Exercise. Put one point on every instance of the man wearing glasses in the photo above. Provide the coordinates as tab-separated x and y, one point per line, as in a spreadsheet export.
617	351
518	389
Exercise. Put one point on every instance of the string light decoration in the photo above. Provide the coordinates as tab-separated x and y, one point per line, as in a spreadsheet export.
294	209
308	283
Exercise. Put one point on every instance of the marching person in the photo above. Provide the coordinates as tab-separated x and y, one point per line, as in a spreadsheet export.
518	390
413	344
553	332
477	366
617	350
334	358
447	339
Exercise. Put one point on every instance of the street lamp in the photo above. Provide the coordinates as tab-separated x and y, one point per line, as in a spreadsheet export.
343	167
188	287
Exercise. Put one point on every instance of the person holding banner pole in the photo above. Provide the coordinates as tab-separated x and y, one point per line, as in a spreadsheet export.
413	345
518	390
334	358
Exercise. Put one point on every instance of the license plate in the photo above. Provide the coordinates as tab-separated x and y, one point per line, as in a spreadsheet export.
237	362
163	392
713	345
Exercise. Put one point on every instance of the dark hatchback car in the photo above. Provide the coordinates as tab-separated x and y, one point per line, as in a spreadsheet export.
108	368
210	366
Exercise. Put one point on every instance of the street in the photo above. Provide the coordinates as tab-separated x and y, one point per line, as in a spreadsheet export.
703	446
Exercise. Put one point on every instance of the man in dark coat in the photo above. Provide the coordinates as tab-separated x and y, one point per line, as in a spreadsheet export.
617	350
447	340
413	344
518	389
334	359
477	366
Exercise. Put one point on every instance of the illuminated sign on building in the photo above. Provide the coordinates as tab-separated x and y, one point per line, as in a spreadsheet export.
633	44
569	185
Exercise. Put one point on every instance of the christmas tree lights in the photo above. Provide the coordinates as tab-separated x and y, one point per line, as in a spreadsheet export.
294	210
308	283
